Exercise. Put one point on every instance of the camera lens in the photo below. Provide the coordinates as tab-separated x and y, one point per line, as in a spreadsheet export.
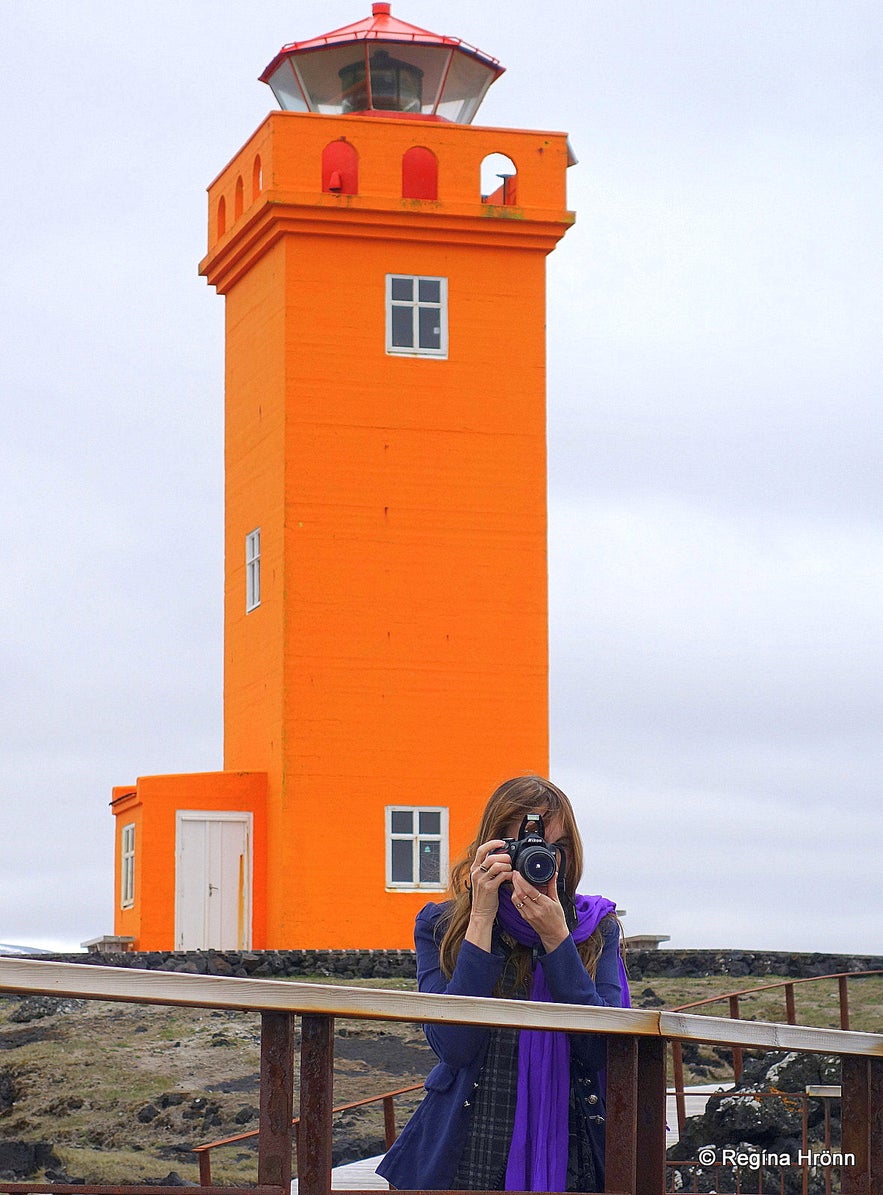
537	864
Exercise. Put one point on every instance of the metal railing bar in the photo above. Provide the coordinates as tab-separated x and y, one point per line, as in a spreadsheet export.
370	1099
769	987
734	997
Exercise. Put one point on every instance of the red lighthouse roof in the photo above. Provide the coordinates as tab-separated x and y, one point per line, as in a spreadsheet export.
382	26
450	75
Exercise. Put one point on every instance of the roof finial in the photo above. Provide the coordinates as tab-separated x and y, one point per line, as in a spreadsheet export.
381	10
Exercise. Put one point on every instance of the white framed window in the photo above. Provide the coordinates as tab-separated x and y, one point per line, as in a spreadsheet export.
127	870
416	315
252	569
417	847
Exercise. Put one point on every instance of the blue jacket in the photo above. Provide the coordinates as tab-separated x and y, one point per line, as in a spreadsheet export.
426	1155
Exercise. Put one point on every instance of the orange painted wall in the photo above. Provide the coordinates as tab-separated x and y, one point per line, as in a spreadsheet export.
254	691
152	804
399	655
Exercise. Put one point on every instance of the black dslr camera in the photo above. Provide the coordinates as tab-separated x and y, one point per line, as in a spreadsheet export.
530	853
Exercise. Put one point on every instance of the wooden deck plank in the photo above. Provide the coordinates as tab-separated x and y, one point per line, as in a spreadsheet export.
355	1176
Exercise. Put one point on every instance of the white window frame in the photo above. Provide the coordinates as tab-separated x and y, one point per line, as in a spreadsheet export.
127	866
416	305
252	570
416	838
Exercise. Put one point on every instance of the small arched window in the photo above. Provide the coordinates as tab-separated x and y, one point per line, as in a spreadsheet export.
499	181
238	198
419	173
257	178
340	168
222	216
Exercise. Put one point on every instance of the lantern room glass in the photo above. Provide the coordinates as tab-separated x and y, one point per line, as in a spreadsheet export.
287	89
395	85
320	72
411	79
465	86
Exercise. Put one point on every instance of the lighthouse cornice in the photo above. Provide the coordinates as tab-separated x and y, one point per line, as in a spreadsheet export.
280	215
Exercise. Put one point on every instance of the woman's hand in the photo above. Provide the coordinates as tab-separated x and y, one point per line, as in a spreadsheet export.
541	909
488	872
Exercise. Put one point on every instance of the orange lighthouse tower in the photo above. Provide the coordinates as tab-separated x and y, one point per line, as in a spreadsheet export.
385	579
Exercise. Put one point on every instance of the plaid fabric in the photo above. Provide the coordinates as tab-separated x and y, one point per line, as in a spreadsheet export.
486	1152
483	1164
581	1174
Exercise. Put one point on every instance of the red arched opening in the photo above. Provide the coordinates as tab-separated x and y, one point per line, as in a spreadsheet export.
340	168
419	173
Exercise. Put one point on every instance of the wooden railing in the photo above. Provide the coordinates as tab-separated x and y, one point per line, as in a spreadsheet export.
636	1086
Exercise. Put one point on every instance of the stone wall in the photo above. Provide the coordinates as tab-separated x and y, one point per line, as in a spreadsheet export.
261	964
742	965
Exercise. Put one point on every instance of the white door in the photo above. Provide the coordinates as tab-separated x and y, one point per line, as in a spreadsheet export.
213	881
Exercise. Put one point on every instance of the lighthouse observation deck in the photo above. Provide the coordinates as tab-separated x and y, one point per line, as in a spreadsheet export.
302	164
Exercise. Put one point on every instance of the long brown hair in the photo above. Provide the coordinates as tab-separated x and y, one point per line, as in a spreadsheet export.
511	801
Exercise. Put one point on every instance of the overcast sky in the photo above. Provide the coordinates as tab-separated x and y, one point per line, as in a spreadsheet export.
716	525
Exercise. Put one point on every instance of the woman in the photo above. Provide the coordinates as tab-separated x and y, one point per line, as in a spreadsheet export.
510	1110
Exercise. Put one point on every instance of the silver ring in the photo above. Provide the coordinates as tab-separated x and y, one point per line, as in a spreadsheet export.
481	867
521	904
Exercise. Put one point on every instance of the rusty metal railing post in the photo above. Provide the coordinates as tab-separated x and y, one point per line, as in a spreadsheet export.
650	1161
790	1006
205	1168
855	1114
875	1124
677	1078
277	1095
844	1001
804	1139
389	1122
316	1103
622	1114
737	1050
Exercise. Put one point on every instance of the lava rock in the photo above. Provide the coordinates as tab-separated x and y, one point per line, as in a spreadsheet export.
22	1159
34	1008
8	1091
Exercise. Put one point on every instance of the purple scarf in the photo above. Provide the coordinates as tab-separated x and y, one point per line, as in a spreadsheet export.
538	1151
